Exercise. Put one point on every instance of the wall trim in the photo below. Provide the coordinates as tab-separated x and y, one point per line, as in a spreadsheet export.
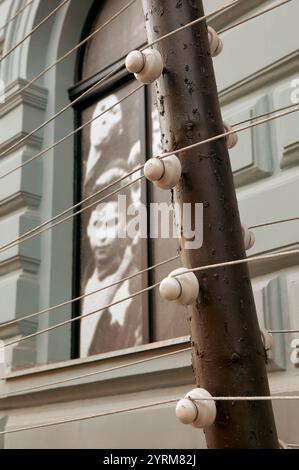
278	70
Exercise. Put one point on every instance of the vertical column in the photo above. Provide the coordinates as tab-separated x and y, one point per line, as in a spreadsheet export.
228	355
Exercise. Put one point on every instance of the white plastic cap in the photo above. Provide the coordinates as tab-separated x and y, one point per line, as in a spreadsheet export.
135	61
186	411
248	236
196	410
170	289
267	339
164	173
154	169
219	48
188	284
231	139
147	65
216	45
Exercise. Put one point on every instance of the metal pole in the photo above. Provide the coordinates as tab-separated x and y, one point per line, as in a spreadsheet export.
228	356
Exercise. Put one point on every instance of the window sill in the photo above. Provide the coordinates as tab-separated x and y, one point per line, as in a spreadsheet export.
89	377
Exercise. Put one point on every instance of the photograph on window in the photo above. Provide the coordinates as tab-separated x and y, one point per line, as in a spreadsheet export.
111	148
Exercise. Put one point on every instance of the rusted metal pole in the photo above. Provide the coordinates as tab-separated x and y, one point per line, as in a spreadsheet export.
228	355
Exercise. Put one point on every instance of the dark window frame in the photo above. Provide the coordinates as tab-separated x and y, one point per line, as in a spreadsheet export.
118	79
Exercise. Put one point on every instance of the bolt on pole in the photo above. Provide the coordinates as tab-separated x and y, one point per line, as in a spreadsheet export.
228	356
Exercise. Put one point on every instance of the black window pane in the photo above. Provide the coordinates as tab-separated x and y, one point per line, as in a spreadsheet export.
123	34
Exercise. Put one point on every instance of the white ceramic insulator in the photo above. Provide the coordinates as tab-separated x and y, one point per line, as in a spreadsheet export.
231	139
147	66
164	173
267	339
135	61
249	238
189	287
216	45
194	410
186	411
154	169
170	289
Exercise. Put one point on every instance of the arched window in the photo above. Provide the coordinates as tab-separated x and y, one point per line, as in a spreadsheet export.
107	149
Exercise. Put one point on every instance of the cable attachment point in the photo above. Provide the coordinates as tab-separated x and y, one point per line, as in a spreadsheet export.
267	339
164	173
216	45
180	287
248	236
195	411
147	65
231	139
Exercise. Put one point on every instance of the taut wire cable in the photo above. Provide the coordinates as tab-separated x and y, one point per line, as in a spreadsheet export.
38	26
44	229
68	302
260	257
103	371
192	23
133	275
79	317
267	113
277	114
75	48
100	28
87	123
146	406
282	331
274	222
90	416
112	72
104	78
252	17
60	112
214	138
16	15
70	134
278	254
37	230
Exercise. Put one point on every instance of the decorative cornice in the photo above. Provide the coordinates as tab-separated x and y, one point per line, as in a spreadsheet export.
17	264
16	202
25	327
34	96
163	372
283	67
290	155
266	266
249	174
33	141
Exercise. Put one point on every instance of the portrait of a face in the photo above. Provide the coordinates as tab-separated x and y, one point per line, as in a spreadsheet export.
103	130
102	230
110	151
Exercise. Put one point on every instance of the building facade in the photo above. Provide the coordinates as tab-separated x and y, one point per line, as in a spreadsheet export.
62	373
